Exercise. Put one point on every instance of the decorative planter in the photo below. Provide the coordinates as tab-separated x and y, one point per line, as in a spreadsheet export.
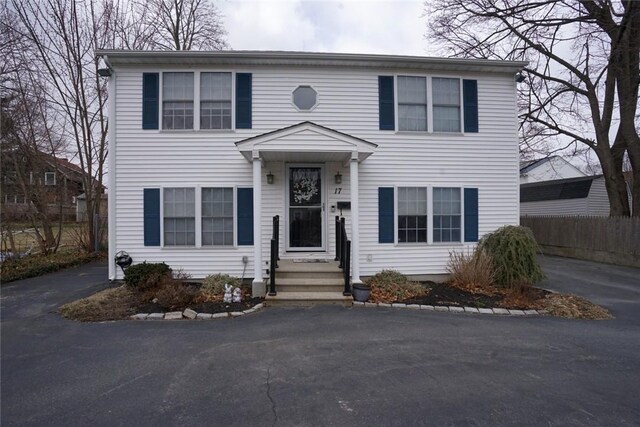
361	292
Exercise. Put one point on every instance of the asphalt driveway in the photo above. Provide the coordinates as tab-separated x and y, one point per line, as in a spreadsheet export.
324	365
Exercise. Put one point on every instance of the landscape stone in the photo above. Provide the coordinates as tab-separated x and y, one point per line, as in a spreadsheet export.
414	306
370	304
249	311
500	311
258	306
485	311
173	315
398	305
155	316
427	307
530	312
190	314
360	303
383	304
219	315
140	316
236	313
456	309
203	316
471	310
441	308
516	312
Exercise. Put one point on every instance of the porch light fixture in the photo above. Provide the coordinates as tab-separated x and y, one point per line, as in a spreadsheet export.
338	178
269	178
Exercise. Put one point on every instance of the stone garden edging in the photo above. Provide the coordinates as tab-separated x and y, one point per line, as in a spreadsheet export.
192	314
454	309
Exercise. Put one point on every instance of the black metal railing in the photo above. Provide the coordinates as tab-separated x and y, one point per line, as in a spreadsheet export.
343	253
274	255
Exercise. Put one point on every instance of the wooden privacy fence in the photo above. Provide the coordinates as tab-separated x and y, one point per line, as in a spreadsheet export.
615	240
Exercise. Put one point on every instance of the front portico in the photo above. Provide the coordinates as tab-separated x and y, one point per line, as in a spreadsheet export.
305	158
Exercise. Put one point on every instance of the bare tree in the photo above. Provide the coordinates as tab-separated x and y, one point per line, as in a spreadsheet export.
182	24
64	35
582	79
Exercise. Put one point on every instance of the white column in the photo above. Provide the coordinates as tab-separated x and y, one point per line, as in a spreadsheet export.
355	221
257	288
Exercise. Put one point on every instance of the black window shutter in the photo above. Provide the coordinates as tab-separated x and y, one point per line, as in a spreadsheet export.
243	100
385	215
152	217
470	98
150	100
385	103
470	214
245	216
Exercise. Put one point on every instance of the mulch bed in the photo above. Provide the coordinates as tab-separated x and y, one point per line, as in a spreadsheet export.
210	307
442	294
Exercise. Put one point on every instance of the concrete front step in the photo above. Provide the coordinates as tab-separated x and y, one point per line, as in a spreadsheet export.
287	265
284	274
306	299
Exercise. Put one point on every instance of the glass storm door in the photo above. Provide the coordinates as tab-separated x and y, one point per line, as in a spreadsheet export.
305	209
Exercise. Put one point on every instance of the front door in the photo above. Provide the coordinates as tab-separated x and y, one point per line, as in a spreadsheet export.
305	208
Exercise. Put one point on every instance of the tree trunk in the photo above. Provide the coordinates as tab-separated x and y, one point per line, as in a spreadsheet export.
614	183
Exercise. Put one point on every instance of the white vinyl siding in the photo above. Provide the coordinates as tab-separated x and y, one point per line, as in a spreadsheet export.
215	100
412	103
217	217
349	103
179	213
177	100
446	104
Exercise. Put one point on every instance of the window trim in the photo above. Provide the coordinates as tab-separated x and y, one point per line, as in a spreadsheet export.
198	212
196	99
429	83
429	188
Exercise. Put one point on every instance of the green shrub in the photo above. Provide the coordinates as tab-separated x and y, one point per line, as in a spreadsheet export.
513	249
390	286
37	265
145	276
473	270
213	285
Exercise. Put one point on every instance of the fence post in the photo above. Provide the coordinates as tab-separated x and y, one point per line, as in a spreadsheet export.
96	232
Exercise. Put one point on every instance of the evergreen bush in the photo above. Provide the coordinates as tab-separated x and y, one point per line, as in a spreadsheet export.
513	249
145	276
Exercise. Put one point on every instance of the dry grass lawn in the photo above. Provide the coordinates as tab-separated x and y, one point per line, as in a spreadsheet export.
110	304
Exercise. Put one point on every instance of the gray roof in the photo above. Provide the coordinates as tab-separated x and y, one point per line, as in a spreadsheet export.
117	58
559	189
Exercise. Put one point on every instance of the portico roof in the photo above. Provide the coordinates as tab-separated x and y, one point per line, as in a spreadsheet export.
306	141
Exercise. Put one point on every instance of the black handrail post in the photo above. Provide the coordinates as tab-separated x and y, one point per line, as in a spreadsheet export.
347	268
337	224
277	231
272	270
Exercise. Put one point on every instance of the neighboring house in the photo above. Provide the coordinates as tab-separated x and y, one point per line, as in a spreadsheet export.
420	155
547	169
60	180
575	196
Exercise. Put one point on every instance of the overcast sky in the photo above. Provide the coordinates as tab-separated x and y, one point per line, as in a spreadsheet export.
354	26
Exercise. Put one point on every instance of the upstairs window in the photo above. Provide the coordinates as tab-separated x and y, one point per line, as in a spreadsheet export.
177	100
412	103
215	101
305	98
49	178
446	104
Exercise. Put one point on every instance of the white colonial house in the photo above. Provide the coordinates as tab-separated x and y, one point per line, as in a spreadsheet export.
418	155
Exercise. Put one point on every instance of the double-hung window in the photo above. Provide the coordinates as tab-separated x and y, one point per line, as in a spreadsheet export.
412	214
49	178
412	103
177	100
215	100
179	217
446	104
217	216
446	214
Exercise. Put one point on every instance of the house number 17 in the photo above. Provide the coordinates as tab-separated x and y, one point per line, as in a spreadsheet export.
338	190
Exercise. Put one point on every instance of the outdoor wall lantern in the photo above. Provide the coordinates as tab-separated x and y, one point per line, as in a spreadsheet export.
338	178
269	178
